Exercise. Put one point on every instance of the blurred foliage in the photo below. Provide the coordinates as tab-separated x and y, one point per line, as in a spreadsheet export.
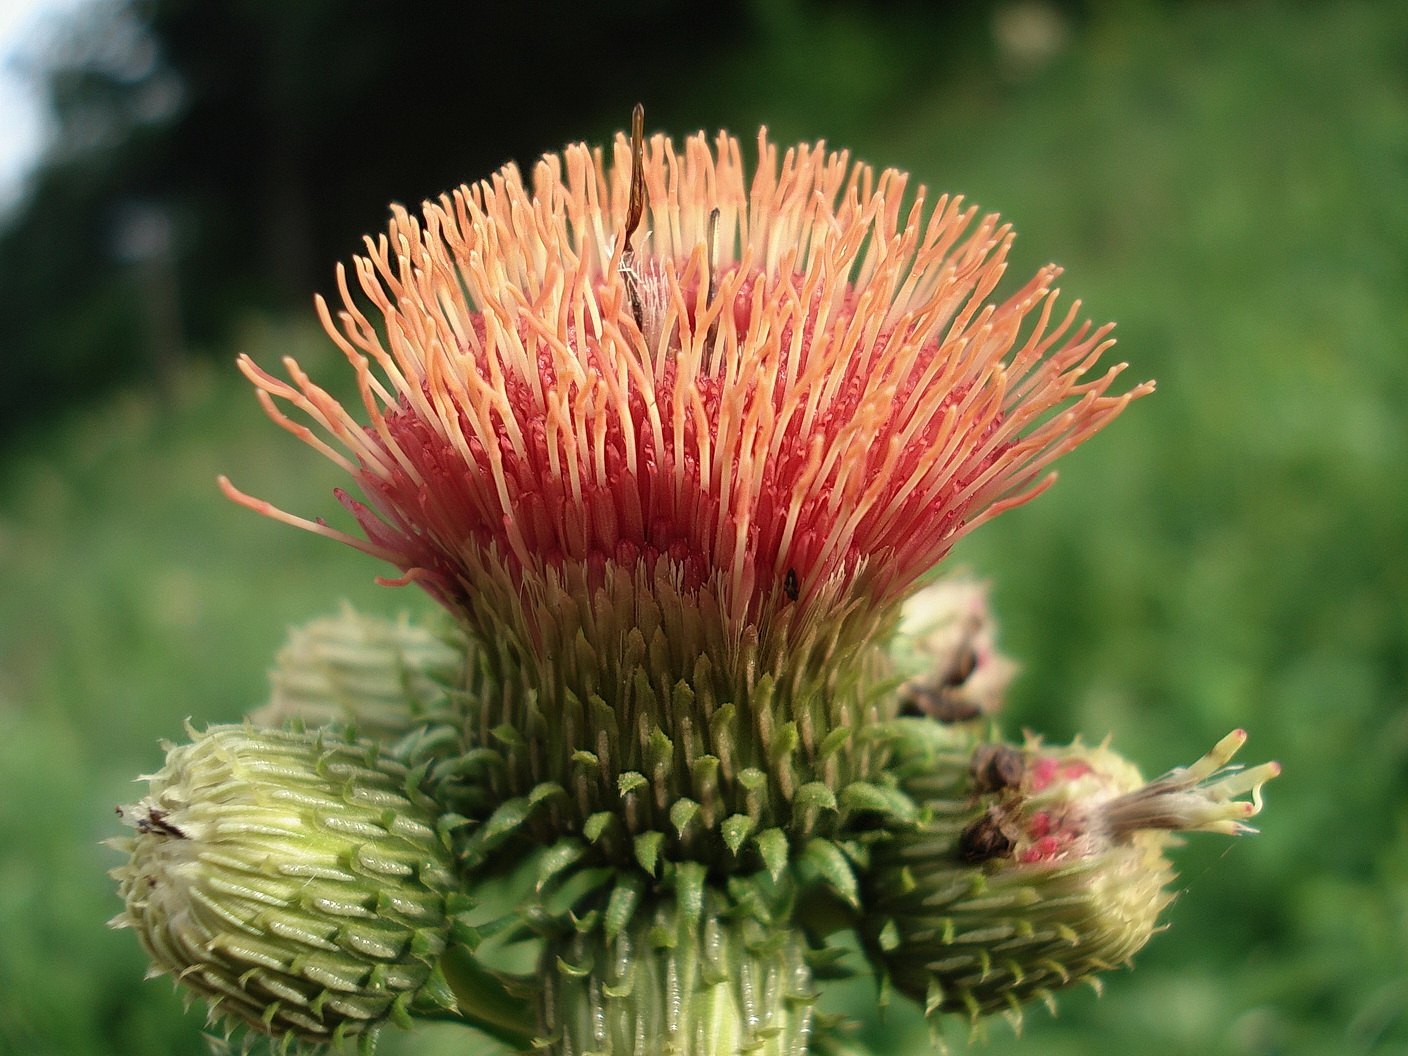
267	137
1229	180
213	158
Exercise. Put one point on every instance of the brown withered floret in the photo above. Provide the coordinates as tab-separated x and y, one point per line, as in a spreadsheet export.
985	838
921	701
996	767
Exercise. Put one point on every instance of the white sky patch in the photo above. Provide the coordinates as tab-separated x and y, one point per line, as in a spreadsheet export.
24	26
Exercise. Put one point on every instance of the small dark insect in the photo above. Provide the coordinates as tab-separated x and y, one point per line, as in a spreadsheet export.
963	668
996	767
155	821
921	701
984	839
712	335
634	209
791	586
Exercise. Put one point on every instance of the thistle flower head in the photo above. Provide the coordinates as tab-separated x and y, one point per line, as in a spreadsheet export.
675	444
784	389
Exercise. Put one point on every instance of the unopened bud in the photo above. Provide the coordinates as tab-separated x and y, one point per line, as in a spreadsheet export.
292	880
1037	867
376	676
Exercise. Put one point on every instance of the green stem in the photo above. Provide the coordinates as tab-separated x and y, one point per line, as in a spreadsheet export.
486	1003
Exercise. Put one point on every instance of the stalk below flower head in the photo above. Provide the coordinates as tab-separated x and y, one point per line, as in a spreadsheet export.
785	391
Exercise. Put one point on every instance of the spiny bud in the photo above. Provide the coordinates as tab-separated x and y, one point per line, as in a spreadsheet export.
688	974
377	676
1037	867
294	881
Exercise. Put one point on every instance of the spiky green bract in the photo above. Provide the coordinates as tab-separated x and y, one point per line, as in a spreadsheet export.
637	717
295	881
689	972
1034	867
377	677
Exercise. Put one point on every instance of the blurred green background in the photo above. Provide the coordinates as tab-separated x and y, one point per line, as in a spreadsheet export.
1228	180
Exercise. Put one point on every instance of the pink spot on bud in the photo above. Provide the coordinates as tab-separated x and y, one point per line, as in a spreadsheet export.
1046	770
1042	773
1043	850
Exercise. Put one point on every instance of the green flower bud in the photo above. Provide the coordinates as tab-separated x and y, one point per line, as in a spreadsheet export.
691	975
377	676
294	881
1036	867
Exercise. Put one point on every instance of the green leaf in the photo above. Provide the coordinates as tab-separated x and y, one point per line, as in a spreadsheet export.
558	857
736	828
503	822
576	971
785	741
682	699
752	778
647	848
815	795
507	735
706	769
773	846
833	742
661	750
545	790
400	1011
595	825
683	811
889	937
621	906
435	995
721	724
933	996
689	891
457	902
860	795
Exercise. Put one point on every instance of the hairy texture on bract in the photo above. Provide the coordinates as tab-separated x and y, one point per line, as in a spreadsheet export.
785	391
